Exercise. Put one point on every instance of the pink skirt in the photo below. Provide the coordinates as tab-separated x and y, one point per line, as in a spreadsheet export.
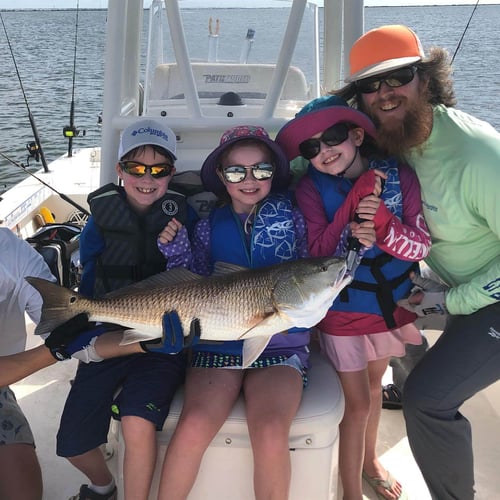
352	354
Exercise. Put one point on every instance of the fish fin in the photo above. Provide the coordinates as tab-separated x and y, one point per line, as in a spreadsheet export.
223	268
56	302
160	281
252	349
273	322
132	336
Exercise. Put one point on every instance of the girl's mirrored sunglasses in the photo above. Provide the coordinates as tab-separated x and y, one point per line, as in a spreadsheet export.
332	136
397	78
237	173
138	169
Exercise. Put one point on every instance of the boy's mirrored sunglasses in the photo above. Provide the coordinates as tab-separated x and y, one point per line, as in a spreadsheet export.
398	78
332	136
138	169
237	173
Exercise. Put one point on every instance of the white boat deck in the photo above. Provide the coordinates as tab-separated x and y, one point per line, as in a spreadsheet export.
42	397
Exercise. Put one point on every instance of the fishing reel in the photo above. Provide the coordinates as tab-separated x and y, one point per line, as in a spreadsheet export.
71	131
33	151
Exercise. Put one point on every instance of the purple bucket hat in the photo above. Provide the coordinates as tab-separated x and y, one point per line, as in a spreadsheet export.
211	180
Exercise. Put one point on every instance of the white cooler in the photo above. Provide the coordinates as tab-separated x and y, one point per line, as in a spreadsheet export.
226	471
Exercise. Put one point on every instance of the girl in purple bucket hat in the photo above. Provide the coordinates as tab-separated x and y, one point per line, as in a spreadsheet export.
253	225
351	198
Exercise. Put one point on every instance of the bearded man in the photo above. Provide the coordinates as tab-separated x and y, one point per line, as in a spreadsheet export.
456	157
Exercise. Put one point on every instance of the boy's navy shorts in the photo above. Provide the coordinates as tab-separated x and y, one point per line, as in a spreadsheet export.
148	384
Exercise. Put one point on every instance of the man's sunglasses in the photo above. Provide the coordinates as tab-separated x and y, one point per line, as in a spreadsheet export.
332	136
237	173
138	169
395	79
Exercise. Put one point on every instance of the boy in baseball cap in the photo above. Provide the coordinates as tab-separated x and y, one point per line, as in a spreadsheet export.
118	247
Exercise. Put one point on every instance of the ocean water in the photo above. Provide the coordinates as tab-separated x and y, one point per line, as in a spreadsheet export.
44	49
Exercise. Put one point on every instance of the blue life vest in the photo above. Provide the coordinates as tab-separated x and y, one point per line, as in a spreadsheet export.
272	240
381	279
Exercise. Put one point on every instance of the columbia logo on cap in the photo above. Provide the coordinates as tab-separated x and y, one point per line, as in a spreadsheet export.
147	132
151	131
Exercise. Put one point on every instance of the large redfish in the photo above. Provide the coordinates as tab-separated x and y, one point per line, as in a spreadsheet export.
234	303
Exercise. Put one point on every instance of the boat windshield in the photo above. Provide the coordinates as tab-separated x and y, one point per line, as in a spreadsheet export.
207	62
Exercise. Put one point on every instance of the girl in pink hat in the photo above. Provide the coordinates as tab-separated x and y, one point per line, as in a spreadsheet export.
351	202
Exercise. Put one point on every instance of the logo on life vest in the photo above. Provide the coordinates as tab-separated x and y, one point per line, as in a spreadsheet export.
170	207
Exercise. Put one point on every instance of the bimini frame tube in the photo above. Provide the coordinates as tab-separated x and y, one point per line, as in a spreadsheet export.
285	57
345	22
121	78
182	57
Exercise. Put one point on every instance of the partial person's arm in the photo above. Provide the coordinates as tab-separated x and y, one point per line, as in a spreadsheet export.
201	246
63	343
300	233
174	244
483	289
15	367
91	246
409	238
323	236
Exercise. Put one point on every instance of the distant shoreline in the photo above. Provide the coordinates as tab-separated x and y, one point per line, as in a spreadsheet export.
28	9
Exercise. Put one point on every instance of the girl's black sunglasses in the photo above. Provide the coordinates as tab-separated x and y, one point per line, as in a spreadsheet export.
332	136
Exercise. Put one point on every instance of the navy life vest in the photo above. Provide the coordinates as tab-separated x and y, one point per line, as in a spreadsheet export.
381	279
131	253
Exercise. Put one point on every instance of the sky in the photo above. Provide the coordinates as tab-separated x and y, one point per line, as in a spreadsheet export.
101	4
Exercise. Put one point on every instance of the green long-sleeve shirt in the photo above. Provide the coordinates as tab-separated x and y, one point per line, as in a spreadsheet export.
459	171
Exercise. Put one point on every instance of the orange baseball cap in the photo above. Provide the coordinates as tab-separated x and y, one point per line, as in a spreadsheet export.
383	49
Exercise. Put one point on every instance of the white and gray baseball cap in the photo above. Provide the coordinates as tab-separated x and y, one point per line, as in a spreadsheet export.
145	132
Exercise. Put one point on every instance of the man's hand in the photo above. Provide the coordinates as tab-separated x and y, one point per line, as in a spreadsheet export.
73	336
172	339
427	297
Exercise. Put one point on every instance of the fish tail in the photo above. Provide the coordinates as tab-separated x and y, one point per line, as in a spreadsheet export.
58	304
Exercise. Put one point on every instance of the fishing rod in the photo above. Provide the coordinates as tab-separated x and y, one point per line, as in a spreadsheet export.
71	131
465	30
62	195
35	149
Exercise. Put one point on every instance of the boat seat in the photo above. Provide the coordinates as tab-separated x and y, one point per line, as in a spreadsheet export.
249	81
226	471
59	245
189	184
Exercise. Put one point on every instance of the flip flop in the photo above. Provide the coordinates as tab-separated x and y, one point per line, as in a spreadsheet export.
387	484
392	399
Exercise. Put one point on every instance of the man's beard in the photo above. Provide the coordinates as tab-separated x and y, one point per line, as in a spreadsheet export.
397	137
